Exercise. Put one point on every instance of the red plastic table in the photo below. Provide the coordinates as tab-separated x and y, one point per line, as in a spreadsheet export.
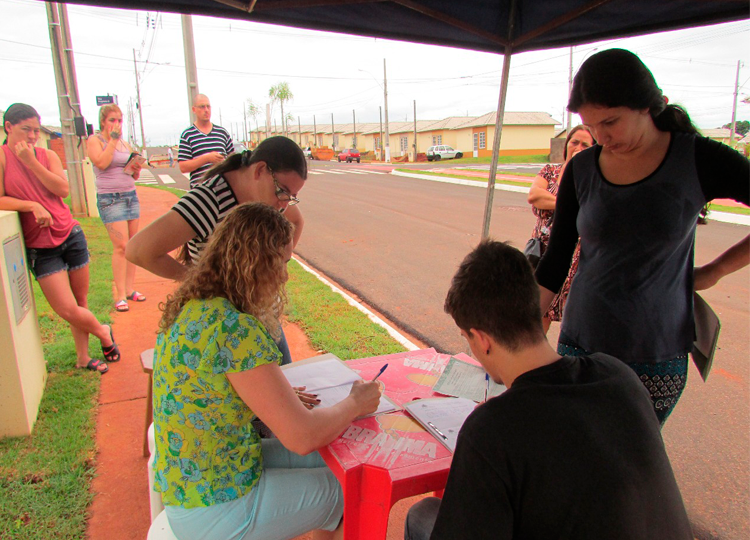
382	459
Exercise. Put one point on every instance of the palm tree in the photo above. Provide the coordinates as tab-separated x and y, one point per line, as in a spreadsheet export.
282	94
253	111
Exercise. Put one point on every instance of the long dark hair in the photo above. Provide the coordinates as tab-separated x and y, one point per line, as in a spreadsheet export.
18	112
618	78
281	154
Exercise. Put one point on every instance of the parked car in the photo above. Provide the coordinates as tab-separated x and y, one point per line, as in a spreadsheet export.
308	152
349	155
442	151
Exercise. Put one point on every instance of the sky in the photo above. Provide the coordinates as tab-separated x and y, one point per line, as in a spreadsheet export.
333	73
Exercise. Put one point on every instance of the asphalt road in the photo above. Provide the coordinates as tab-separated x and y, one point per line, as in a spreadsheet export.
395	242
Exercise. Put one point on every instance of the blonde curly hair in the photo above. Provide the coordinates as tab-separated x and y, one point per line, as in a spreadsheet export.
244	262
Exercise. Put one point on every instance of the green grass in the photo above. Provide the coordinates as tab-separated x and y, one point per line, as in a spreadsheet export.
531	158
498	178
730	209
45	478
330	322
174	191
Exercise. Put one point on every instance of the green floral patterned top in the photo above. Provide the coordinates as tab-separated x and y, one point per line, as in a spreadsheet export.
207	451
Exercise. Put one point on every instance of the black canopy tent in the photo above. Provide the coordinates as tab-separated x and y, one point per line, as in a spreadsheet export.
500	26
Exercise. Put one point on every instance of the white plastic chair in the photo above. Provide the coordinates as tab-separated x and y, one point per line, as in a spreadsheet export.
160	529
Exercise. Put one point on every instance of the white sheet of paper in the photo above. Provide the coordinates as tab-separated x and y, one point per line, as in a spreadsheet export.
443	417
323	374
461	379
331	380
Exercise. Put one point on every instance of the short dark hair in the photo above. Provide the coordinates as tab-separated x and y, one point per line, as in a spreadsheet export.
618	78
281	154
494	290
18	112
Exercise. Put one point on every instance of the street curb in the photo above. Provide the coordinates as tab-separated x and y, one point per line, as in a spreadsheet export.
459	181
724	217
370	315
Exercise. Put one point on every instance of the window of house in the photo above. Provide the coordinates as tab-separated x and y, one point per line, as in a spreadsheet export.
377	142
439	139
482	140
404	144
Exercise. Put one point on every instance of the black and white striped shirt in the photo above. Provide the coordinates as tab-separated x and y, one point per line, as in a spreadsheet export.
203	208
194	143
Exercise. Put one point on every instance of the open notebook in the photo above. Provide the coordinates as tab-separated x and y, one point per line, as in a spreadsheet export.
461	379
331	379
442	417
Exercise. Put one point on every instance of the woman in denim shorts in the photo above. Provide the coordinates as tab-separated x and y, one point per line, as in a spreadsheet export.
32	183
116	198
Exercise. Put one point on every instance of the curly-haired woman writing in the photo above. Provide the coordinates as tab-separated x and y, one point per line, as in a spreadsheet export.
216	368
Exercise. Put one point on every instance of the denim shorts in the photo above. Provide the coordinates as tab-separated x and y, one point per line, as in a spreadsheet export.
118	206
72	254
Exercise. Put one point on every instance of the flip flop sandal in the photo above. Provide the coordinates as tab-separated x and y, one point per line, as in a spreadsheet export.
122	305
111	353
136	297
96	365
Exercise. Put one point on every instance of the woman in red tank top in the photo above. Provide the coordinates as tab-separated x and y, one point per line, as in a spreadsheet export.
32	183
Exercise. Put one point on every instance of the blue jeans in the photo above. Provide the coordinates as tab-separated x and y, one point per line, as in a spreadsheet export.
295	494
421	519
114	207
71	255
286	356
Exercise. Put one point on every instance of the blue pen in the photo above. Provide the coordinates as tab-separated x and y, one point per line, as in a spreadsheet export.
380	373
487	385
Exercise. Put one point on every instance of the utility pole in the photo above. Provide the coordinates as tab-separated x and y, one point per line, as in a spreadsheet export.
59	37
244	115
299	130
415	131
380	111
268	119
385	103
139	105
570	89
354	131
191	71
734	106
315	133
221	121
333	135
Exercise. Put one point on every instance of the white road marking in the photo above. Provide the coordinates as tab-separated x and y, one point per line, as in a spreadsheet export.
166	179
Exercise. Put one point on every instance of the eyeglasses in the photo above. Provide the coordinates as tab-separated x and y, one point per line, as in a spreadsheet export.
282	194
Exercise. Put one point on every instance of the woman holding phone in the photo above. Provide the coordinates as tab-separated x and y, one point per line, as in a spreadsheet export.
116	198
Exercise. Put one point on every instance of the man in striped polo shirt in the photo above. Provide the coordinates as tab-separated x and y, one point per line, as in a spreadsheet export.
203	144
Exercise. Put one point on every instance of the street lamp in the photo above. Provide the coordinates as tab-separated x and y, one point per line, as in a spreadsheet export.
384	86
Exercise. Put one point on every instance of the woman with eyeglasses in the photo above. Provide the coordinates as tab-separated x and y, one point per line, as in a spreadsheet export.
273	173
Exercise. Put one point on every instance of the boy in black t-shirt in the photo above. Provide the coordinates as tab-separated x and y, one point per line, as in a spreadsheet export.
572	449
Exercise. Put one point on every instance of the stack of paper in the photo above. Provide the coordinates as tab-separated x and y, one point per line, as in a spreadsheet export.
331	379
461	379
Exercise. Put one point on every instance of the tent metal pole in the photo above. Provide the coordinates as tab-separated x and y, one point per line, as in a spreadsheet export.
496	143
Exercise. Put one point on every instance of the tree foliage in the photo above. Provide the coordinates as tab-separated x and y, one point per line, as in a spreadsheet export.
741	127
281	93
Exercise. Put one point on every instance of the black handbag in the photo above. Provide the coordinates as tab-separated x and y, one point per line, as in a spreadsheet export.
533	251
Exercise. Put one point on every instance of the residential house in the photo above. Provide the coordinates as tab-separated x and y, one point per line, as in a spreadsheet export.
524	133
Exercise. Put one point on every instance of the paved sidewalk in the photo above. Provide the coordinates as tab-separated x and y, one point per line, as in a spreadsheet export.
120	510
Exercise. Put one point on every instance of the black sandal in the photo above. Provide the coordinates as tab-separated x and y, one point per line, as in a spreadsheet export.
111	353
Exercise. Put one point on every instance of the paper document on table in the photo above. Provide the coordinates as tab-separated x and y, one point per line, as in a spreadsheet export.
707	327
331	379
323	374
461	379
442	417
